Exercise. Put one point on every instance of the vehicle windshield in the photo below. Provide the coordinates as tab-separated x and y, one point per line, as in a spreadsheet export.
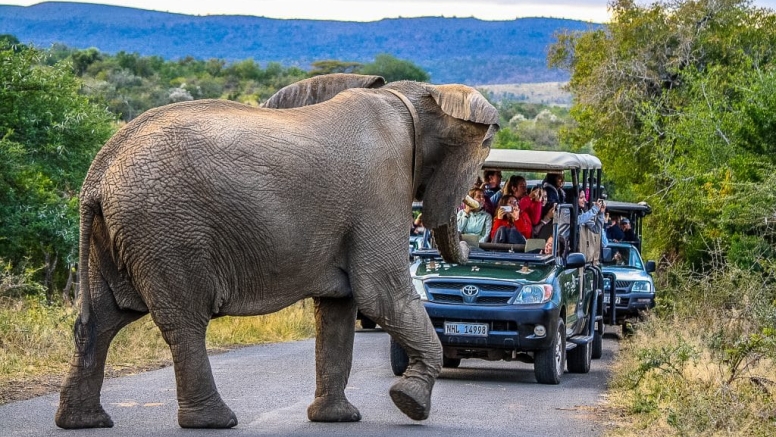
621	256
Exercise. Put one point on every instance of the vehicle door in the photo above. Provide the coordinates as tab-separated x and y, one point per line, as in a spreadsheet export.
569	279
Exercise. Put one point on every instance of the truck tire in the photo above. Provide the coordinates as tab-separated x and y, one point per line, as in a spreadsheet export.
578	359
550	363
367	323
451	363
399	358
598	345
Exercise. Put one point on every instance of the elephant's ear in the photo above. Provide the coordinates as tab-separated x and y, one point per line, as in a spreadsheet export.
319	89
465	103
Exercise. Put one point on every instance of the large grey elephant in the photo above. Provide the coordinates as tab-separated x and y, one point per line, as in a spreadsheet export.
210	208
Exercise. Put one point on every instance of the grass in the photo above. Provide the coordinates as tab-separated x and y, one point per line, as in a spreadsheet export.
703	363
36	342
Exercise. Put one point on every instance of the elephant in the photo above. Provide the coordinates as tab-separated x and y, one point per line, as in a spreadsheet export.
208	208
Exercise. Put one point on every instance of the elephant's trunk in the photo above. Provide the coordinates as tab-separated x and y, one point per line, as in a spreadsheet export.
452	249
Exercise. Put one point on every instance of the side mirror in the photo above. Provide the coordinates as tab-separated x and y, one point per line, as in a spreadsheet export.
575	260
651	266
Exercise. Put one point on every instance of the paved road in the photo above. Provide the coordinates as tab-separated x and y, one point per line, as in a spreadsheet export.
270	386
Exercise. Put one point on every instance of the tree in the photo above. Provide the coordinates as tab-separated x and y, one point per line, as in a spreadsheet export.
330	66
393	69
49	134
674	97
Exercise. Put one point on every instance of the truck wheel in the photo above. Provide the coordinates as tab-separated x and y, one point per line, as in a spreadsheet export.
598	345
367	323
399	358
549	363
579	358
451	363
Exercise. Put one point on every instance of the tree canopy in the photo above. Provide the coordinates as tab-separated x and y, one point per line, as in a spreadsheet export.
49	134
676	98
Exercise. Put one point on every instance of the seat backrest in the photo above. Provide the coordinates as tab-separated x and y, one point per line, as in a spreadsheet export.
534	243
473	240
590	244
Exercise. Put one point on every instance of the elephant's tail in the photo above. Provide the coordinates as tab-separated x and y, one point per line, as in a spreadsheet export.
85	329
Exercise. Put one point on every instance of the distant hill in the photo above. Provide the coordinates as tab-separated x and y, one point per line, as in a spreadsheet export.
462	50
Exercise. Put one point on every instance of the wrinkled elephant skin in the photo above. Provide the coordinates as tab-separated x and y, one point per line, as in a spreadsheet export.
212	208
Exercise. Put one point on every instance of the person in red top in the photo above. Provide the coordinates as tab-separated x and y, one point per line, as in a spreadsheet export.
531	205
508	214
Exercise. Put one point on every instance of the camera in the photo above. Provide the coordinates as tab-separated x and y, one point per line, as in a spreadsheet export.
506	208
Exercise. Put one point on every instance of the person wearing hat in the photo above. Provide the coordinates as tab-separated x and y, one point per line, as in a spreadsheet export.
627	230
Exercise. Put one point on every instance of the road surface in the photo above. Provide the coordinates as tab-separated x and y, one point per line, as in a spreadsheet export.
270	386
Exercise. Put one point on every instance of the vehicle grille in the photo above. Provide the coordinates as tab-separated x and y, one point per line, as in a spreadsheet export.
623	286
490	293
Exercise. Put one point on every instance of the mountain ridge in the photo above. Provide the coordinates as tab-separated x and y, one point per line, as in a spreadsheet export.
462	50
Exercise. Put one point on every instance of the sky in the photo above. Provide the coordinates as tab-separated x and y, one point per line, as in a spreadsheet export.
372	10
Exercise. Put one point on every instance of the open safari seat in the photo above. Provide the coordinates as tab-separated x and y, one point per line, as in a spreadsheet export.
532	244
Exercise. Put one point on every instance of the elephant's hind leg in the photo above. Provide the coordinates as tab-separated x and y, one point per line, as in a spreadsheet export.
335	328
199	404
79	399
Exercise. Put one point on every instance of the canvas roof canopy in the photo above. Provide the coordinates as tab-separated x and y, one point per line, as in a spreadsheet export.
539	160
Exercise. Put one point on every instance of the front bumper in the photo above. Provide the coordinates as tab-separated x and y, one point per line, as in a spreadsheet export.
510	327
631	304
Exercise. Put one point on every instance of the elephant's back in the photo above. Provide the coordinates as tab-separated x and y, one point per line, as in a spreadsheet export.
220	183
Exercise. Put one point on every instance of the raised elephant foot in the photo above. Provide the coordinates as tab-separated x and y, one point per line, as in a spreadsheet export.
208	416
77	418
328	410
413	397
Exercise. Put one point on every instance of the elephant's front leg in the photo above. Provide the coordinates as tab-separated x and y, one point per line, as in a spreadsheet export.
199	404
397	308
335	328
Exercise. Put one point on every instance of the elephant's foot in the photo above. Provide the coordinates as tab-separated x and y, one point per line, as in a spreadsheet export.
76	418
207	415
412	395
325	409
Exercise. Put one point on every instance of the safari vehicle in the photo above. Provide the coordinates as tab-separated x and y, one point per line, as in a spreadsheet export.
512	302
627	279
634	212
627	282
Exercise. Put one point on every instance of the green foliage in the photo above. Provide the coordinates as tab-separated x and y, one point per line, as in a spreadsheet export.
130	84
10	42
666	359
529	126
330	66
704	362
509	139
49	134
676	98
393	69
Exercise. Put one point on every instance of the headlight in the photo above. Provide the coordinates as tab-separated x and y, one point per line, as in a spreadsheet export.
416	282
534	293
419	288
641	287
607	283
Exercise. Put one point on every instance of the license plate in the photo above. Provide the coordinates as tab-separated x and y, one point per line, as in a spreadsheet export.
467	329
616	299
